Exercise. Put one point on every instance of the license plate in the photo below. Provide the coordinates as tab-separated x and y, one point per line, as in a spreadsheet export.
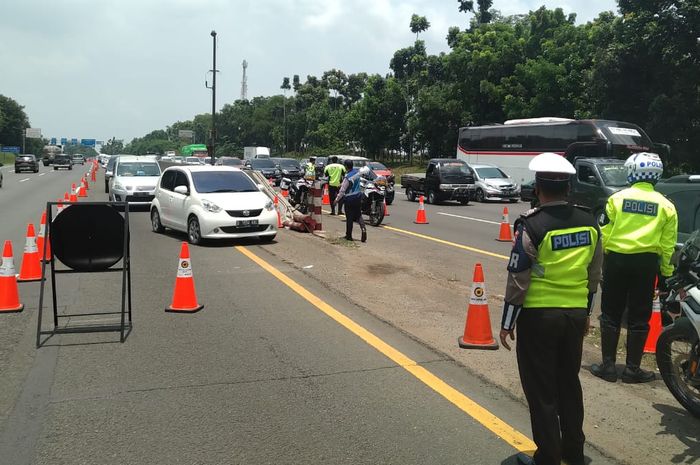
246	223
141	194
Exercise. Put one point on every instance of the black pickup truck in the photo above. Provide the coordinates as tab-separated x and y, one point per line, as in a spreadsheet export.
444	179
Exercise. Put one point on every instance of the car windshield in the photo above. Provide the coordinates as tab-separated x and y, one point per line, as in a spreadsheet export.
211	182
286	163
375	165
231	162
614	175
454	168
138	169
490	173
260	163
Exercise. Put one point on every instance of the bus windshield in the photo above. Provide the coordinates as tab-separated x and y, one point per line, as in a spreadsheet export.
625	134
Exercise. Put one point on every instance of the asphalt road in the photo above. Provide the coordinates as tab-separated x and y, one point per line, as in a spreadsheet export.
276	369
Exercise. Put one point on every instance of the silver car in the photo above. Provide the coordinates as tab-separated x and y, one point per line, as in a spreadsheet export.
492	183
134	180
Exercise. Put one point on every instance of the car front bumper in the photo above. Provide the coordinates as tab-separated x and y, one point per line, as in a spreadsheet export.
26	166
134	197
222	226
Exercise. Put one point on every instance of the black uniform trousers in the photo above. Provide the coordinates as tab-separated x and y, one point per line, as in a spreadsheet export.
332	194
353	212
549	346
628	282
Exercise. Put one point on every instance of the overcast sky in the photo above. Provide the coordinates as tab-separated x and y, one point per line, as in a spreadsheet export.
103	68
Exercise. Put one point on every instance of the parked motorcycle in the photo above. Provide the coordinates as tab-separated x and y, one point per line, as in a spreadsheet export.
677	349
373	197
298	193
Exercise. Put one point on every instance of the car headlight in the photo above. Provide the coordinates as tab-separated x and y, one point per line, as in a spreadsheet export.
285	172
211	206
118	186
269	206
445	186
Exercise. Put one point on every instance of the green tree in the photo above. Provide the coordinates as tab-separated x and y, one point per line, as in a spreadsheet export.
419	24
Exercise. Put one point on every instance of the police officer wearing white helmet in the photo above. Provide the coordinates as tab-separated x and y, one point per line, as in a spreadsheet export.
639	230
553	273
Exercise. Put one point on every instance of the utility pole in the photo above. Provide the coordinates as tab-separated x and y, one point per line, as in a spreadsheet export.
212	140
244	82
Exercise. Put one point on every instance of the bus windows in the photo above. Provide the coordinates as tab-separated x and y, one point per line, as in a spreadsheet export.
492	139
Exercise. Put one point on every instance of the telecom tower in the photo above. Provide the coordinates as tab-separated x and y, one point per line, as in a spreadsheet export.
244	82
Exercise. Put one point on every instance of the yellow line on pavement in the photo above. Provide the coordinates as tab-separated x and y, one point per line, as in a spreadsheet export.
500	428
441	241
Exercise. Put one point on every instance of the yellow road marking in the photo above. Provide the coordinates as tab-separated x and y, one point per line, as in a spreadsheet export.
441	241
500	428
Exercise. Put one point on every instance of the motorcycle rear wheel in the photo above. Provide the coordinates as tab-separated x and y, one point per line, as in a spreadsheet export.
674	351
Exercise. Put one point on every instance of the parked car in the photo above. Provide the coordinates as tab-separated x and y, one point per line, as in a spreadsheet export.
684	192
229	161
62	161
492	183
212	202
527	191
597	179
444	179
134	180
26	162
289	167
195	161
267	167
77	159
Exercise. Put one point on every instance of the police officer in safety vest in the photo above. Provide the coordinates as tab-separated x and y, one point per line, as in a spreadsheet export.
310	169
553	273
639	230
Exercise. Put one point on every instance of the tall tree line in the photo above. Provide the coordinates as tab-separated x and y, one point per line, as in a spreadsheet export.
641	66
13	122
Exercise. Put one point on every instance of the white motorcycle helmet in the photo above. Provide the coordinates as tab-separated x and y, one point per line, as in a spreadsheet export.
644	167
364	171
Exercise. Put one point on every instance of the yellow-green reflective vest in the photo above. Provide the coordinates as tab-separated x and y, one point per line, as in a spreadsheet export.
559	278
641	220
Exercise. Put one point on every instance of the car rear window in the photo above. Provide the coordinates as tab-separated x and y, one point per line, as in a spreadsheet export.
210	182
138	169
259	163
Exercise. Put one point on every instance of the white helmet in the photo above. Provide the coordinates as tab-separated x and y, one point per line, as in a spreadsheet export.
644	167
549	162
364	171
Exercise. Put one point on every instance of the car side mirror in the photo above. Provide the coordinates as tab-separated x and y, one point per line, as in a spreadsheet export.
184	190
592	180
108	173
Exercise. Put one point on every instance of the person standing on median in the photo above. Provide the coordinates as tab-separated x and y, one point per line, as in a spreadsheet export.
335	172
351	194
639	229
553	274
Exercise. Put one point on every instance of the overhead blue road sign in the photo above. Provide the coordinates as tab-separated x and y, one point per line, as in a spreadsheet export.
64	141
74	141
10	149
87	142
100	142
53	141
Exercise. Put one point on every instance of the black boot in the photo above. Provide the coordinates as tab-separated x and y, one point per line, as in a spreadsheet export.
363	237
609	335
635	349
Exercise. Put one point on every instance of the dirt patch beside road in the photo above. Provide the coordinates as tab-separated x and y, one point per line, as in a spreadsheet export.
422	288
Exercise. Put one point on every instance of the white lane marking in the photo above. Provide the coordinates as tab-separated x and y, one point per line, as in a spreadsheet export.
42	174
468	218
25	179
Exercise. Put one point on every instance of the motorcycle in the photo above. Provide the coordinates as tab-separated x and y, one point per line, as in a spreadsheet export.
677	349
298	193
373	197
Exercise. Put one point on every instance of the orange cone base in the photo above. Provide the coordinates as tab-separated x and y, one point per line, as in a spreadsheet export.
504	234
184	310
12	310
491	345
29	280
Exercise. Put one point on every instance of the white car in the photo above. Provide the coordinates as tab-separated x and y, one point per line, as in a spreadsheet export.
492	183
212	202
134	180
194	161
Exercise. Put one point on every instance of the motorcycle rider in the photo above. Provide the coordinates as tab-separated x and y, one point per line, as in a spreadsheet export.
351	193
335	172
639	231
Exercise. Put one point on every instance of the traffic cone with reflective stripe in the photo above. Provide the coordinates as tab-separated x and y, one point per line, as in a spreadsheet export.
31	260
40	240
9	292
477	330
326	198
59	206
73	189
386	209
504	235
93	174
655	325
82	191
279	216
420	214
184	296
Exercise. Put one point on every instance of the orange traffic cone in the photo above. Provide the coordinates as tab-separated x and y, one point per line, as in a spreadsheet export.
477	330
184	297
285	193
82	192
386	209
59	206
279	217
655	326
420	214
9	293
93	175
86	184
31	261
504	235
40	240
66	197
73	197
72	189
326	198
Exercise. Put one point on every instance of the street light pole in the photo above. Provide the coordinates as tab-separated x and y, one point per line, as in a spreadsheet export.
212	141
